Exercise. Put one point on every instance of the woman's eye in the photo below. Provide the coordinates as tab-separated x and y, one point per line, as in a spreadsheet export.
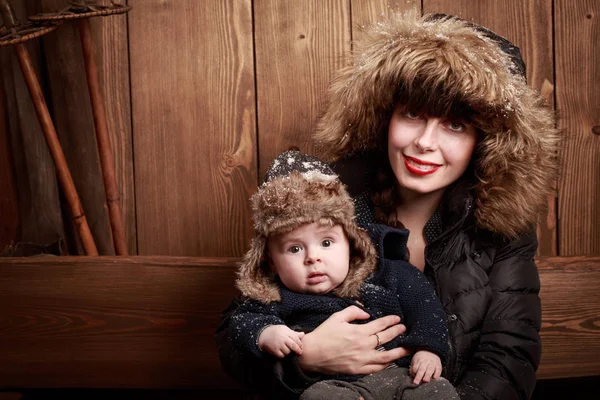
456	126
412	115
295	249
326	243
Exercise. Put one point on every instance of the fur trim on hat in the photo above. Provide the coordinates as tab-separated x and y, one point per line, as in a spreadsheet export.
287	202
447	67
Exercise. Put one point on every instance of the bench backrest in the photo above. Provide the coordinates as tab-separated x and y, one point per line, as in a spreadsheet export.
148	322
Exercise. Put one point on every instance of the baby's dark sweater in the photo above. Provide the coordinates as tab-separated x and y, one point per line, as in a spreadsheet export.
396	288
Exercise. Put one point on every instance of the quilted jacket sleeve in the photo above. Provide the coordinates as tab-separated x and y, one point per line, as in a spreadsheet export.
504	364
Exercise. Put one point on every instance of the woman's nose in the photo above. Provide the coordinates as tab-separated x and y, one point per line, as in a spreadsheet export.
427	140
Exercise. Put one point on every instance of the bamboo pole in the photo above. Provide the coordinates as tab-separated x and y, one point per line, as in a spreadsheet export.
82	11
102	138
41	109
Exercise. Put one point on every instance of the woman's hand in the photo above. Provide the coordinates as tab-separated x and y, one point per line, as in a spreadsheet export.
339	347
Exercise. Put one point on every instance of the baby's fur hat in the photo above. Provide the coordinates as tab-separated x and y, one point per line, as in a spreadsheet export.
301	189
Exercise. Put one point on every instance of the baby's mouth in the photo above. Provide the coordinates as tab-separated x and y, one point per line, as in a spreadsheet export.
316	277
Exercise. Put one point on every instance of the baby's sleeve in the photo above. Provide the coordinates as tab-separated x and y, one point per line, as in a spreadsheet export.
247	323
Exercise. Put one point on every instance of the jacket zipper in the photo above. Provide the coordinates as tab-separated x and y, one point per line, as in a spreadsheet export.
451	364
450	369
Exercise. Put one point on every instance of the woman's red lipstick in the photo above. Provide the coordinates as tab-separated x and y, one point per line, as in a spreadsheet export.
412	165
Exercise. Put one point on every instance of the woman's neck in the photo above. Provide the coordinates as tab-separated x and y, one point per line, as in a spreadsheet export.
415	209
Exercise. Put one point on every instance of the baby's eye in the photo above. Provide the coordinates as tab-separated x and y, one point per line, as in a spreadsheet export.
295	249
327	243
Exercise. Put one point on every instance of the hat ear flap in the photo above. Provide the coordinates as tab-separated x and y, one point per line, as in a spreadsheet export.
363	261
255	279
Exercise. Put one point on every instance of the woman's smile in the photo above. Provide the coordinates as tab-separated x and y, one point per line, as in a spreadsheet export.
419	167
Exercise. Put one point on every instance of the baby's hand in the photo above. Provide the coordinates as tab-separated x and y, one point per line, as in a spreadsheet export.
425	365
280	340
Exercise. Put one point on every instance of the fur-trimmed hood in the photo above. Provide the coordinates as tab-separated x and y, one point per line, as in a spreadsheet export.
450	67
301	189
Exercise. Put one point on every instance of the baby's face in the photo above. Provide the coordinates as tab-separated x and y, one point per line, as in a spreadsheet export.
313	258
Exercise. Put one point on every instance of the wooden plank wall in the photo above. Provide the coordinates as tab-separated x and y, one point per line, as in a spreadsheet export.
577	35
39	217
9	212
201	95
298	47
194	125
60	69
72	114
112	47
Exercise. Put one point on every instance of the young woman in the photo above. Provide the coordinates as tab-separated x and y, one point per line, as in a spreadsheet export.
454	146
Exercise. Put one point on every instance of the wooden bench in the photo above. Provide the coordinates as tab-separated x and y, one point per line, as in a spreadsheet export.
148	322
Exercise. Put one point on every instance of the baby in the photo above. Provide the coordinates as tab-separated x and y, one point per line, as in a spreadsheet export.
309	260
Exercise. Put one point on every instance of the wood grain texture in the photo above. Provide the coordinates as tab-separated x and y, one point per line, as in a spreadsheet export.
70	106
194	125
366	12
195	120
570	316
112	322
527	24
9	209
577	36
112	53
299	45
36	184
148	322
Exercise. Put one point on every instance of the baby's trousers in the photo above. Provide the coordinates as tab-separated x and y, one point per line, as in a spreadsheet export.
391	383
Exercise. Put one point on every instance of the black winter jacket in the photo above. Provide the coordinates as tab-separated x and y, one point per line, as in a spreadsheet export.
489	288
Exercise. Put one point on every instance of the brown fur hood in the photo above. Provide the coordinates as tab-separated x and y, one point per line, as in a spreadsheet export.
451	67
301	189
